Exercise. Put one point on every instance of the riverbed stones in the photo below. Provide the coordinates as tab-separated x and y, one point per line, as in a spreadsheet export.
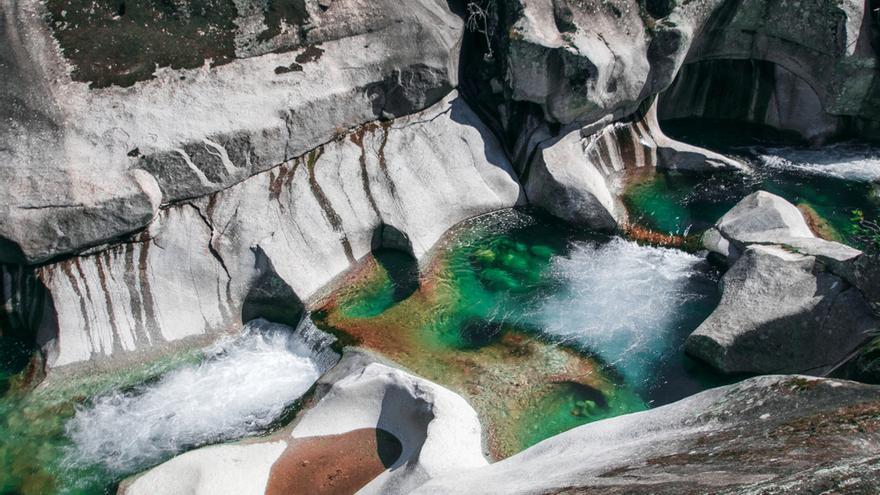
769	434
780	312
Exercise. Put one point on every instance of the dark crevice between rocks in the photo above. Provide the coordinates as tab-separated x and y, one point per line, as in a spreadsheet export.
27	322
214	252
270	297
393	251
483	86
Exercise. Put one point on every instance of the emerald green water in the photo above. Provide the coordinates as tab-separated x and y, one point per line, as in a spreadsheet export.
832	182
489	317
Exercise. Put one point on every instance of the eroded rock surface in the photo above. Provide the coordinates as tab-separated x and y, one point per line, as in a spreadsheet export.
578	177
437	431
273	240
770	434
72	151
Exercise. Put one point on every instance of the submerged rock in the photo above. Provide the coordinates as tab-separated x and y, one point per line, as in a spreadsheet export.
436	433
780	313
770	434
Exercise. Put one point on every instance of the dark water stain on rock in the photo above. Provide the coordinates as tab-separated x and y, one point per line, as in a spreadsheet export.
311	54
280	13
284	69
337	464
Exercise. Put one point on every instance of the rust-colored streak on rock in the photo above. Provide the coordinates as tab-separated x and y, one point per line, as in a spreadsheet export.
337	464
358	139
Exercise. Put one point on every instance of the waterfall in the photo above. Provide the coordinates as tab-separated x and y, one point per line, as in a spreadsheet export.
848	161
242	387
631	305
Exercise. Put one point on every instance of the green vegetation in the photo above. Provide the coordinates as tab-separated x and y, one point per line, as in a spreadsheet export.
865	230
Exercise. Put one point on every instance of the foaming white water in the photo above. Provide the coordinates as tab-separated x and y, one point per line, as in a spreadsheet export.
626	303
844	161
243	386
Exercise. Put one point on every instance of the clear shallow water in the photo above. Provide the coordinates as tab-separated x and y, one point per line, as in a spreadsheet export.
86	439
541	327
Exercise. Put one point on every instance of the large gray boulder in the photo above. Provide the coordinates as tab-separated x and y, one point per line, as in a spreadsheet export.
765	218
267	243
770	434
93	141
781	313
791	302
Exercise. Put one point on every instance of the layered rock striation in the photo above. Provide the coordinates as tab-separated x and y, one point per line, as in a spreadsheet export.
265	245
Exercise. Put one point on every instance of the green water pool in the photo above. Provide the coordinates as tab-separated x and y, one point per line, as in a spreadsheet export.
478	318
828	184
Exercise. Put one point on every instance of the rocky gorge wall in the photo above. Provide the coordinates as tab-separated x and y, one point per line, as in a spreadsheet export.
165	207
273	240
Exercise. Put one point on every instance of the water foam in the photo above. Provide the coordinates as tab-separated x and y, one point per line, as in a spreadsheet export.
847	161
631	305
243	386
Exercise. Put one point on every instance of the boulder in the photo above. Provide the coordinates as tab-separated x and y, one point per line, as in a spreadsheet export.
262	247
765	218
196	108
578	177
436	430
769	434
762	217
781	313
